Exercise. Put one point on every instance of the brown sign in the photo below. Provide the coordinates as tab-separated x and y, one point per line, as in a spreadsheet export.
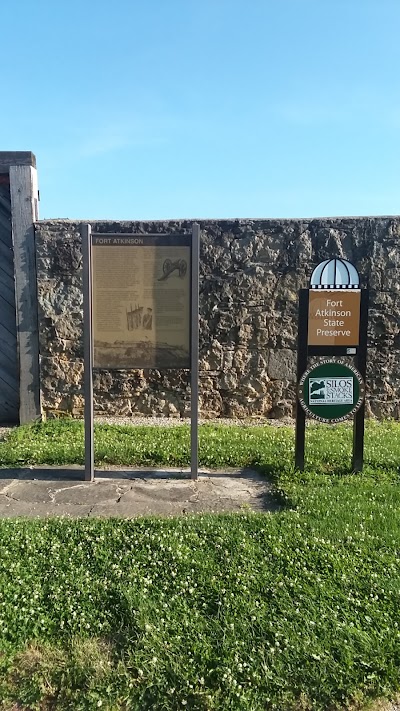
334	317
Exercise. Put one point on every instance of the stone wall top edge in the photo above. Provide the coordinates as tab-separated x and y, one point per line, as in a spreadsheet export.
216	221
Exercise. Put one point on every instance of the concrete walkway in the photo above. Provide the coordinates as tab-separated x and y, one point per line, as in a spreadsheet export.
51	491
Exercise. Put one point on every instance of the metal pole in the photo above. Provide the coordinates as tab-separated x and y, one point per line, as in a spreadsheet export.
361	365
302	346
194	354
88	351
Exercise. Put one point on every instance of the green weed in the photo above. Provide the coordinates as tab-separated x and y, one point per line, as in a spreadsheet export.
246	612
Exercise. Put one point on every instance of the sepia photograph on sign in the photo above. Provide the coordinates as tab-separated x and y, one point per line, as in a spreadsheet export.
141	301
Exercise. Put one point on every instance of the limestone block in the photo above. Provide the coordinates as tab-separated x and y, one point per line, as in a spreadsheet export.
282	364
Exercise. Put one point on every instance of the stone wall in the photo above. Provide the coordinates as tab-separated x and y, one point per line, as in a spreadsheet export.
250	274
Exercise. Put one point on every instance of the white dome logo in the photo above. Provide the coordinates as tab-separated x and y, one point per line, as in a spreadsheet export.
335	274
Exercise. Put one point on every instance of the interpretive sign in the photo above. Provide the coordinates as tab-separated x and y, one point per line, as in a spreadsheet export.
334	318
331	391
141	310
141	301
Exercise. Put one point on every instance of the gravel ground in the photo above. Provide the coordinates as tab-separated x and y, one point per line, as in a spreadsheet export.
174	422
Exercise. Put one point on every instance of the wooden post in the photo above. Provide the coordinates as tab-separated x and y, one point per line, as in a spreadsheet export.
302	339
24	212
361	365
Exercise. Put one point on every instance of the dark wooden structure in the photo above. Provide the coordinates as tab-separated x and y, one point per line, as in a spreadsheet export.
9	370
19	342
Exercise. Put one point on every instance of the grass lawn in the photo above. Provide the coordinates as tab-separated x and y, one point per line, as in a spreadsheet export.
294	610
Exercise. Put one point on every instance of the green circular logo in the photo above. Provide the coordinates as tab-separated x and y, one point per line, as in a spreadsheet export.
331	391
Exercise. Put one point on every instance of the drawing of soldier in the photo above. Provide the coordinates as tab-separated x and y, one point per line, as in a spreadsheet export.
148	319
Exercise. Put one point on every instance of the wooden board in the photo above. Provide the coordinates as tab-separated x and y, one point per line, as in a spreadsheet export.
24	198
8	158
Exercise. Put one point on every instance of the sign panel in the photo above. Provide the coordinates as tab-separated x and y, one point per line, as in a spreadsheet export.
334	318
141	301
331	391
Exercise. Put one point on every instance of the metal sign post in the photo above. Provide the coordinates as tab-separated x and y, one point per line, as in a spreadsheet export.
333	321
194	355
88	350
141	304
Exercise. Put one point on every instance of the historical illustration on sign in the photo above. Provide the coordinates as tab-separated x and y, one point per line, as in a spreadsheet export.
141	302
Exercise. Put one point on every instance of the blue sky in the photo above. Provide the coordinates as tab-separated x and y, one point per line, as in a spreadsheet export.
152	109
